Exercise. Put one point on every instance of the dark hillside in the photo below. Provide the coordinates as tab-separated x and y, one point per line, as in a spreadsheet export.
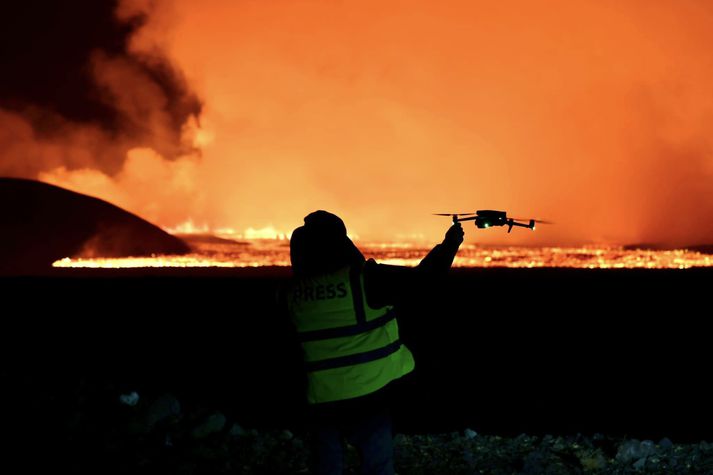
41	223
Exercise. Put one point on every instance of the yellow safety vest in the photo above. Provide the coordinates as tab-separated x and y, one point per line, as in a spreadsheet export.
350	349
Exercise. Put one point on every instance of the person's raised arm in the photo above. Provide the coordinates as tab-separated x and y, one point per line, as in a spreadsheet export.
389	285
440	258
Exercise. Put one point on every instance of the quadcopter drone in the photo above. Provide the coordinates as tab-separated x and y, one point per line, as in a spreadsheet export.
486	218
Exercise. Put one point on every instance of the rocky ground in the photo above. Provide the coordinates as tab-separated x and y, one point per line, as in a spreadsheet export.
135	434
470	453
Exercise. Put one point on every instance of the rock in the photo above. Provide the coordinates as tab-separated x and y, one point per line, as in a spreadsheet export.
468	457
560	444
632	450
286	435
162	408
237	430
212	424
470	434
131	399
665	443
628	451
534	463
297	444
648	446
640	464
593	460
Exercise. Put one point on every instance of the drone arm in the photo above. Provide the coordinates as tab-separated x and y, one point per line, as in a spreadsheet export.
522	225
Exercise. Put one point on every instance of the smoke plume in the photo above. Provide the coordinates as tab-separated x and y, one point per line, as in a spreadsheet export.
80	106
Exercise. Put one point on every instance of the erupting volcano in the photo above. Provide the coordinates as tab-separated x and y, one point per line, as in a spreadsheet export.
157	157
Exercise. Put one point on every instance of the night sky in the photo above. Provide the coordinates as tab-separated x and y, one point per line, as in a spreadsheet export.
595	115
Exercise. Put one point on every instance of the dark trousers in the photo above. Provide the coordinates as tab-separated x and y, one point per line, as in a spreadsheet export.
370	433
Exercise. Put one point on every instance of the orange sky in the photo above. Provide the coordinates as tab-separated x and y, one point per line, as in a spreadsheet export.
594	114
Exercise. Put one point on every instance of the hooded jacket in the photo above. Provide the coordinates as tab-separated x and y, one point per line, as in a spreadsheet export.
323	255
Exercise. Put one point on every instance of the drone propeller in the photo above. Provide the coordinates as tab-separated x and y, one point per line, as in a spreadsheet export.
456	214
538	221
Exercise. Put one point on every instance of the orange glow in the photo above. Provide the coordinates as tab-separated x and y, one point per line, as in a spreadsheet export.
592	114
276	253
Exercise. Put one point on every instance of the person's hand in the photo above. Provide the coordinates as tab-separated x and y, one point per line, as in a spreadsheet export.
454	235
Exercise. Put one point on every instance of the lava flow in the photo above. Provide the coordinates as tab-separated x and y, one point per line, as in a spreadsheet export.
275	252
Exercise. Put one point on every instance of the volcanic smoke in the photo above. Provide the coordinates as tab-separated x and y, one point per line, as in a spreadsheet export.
592	114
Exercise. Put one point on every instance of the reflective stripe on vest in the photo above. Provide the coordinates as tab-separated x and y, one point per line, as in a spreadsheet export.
350	349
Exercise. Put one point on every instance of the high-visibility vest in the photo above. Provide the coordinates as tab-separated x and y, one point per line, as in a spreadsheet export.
350	349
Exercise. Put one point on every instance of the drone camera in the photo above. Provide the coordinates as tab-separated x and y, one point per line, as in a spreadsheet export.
482	223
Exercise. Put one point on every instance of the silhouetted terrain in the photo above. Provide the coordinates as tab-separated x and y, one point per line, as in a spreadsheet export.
40	223
703	248
500	351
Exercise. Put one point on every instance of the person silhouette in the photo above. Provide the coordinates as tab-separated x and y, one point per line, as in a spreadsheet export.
342	307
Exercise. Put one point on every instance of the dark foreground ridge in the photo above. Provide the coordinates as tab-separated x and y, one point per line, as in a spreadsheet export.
42	223
624	353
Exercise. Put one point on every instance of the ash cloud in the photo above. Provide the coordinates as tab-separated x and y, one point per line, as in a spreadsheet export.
74	94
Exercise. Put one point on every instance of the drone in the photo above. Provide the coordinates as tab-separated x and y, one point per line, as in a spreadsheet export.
486	218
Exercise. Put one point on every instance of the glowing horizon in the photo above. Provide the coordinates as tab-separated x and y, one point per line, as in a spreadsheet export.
273	252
